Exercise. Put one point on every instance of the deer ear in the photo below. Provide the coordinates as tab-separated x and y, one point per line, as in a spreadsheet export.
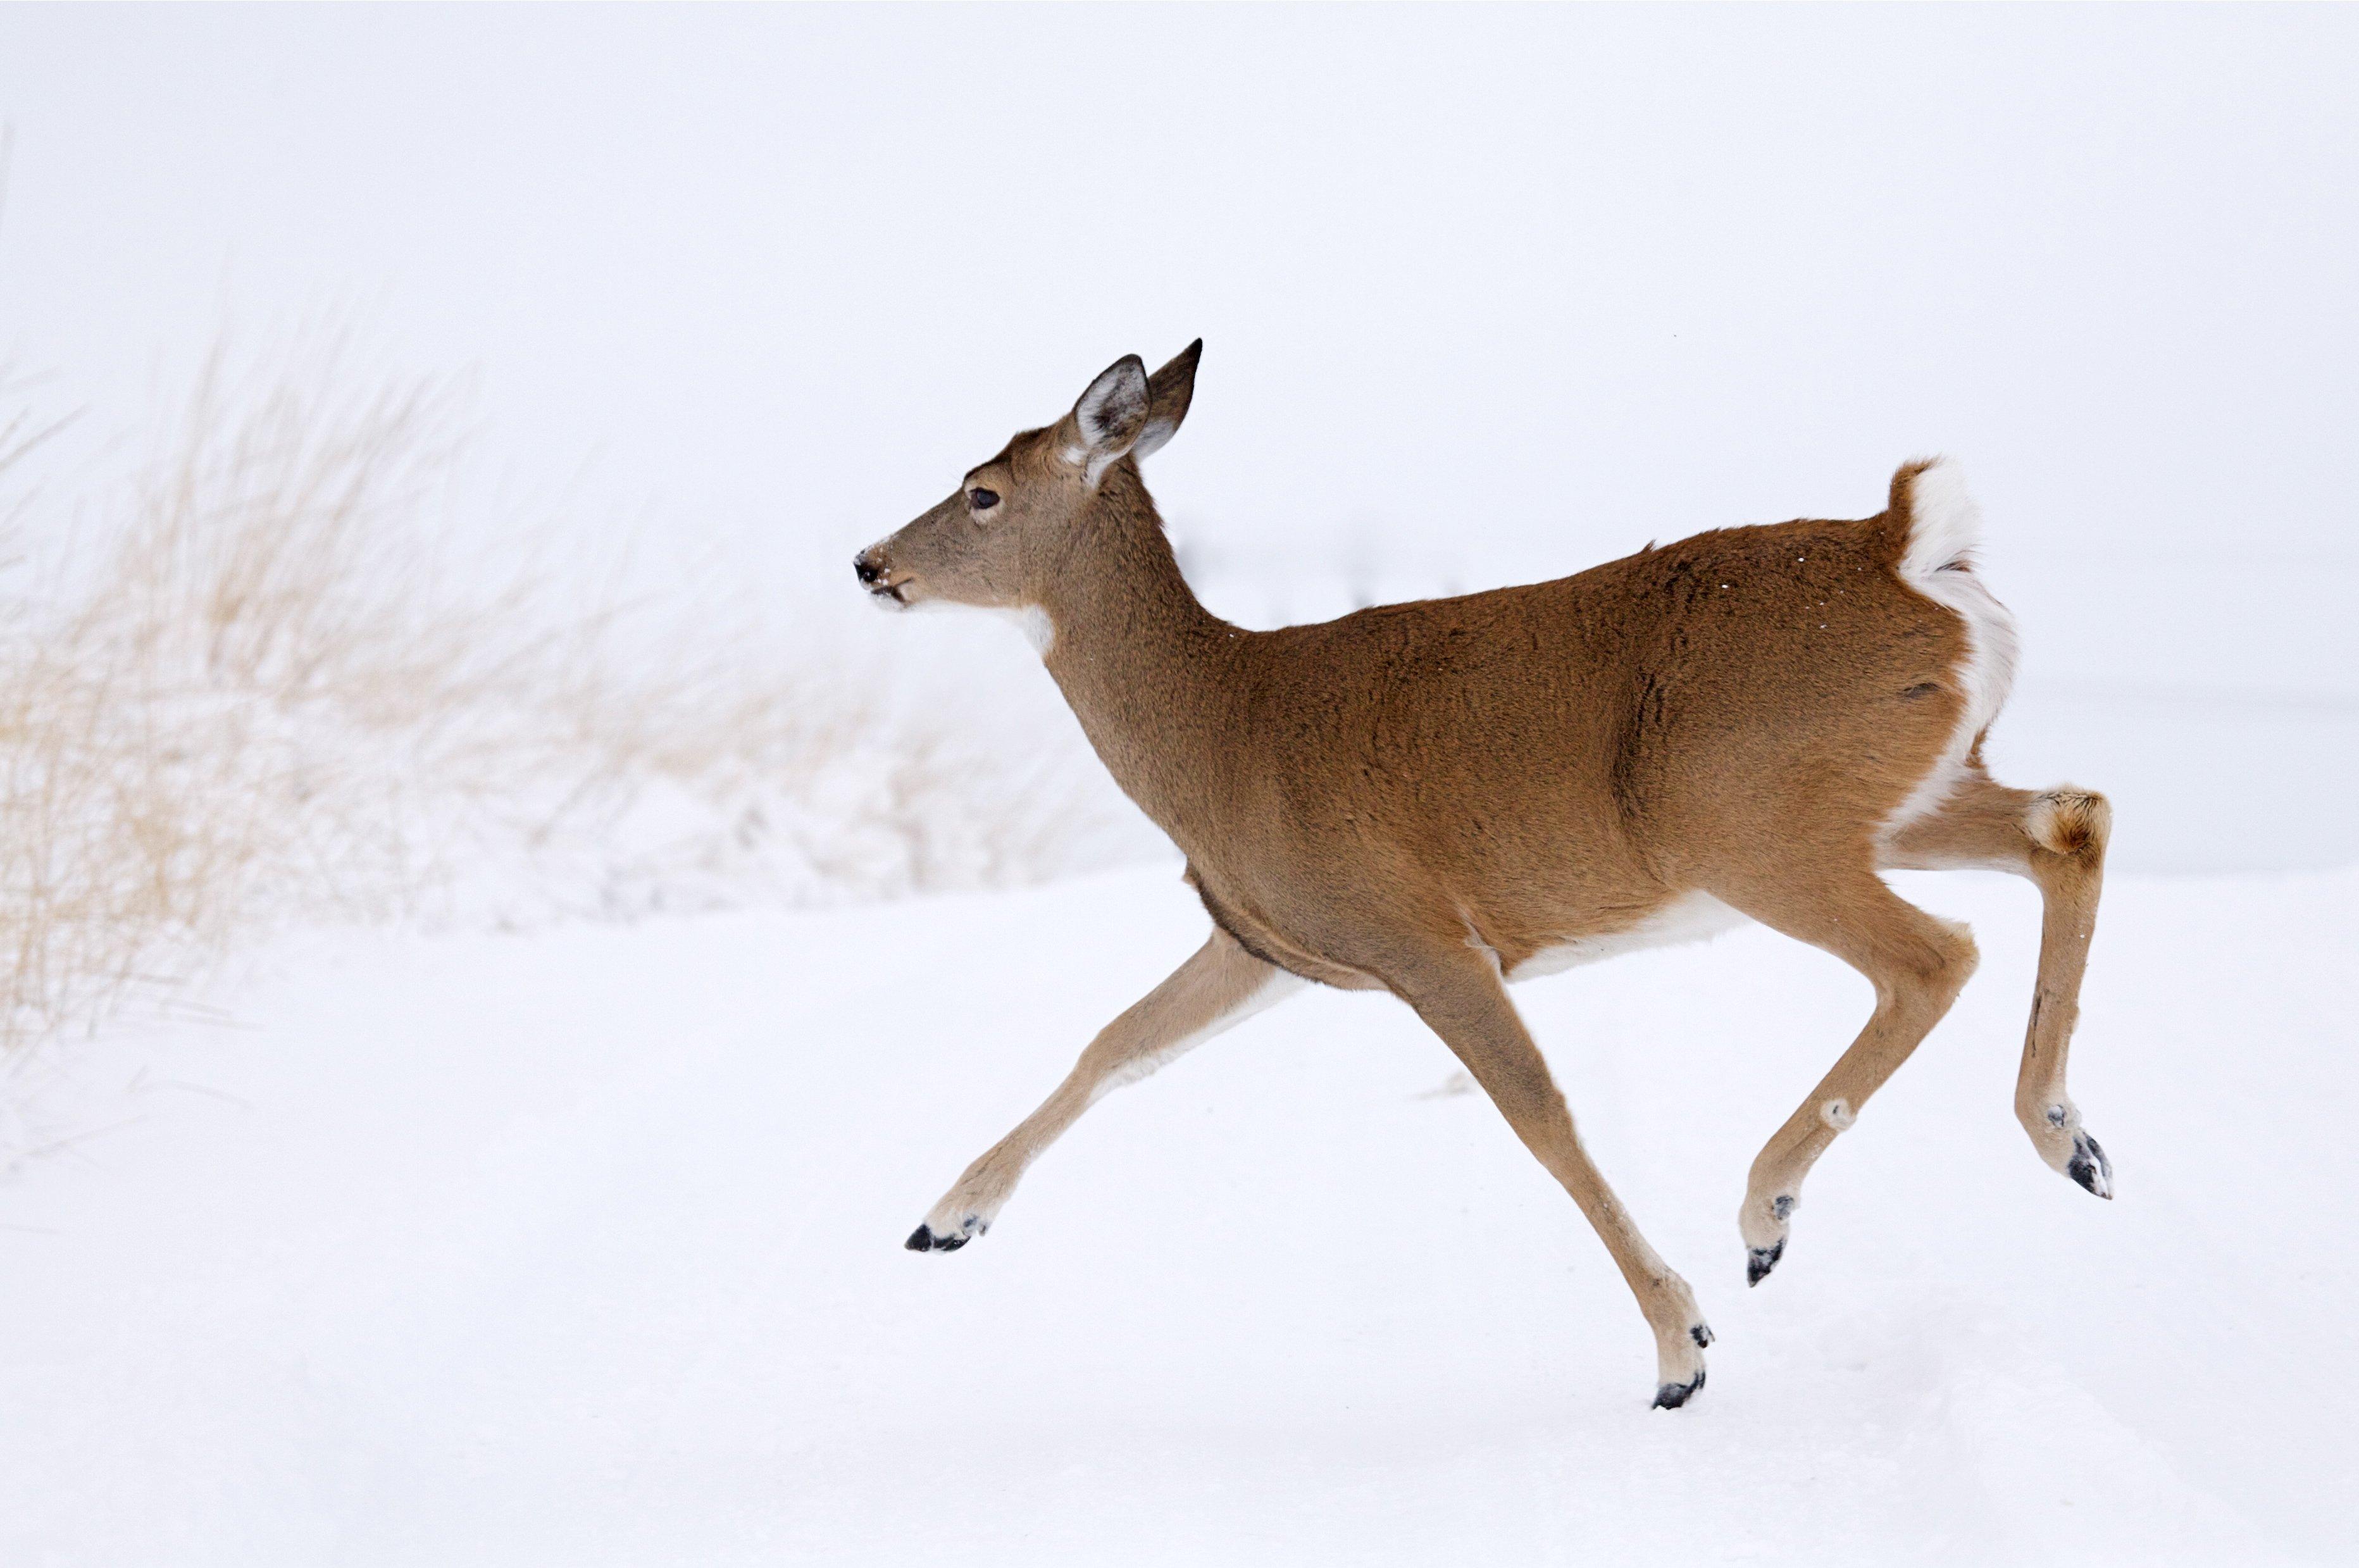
1110	415
1168	392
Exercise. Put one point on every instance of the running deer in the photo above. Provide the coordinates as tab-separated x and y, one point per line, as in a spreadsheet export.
1436	799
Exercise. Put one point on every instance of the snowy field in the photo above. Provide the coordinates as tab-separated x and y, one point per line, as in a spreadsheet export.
587	1249
545	1206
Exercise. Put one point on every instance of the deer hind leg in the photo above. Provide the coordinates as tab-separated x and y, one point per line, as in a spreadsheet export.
1464	1001
2057	839
1221	985
1917	962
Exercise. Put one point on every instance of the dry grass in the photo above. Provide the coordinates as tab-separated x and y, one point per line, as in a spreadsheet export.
188	695
261	689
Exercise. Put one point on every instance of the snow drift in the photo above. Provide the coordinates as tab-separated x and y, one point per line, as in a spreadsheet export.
585	1246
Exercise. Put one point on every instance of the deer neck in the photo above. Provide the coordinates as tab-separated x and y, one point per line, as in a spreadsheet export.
1145	667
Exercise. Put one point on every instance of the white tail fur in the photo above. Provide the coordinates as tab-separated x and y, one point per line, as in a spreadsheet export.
1945	528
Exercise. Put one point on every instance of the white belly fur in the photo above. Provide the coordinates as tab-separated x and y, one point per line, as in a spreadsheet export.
1691	916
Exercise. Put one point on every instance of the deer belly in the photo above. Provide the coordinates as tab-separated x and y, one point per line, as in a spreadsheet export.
1691	916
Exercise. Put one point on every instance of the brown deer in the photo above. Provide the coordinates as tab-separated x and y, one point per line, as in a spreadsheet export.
1435	798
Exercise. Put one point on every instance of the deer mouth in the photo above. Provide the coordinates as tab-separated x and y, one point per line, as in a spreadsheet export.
883	583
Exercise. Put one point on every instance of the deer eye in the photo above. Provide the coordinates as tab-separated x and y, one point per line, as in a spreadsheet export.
983	500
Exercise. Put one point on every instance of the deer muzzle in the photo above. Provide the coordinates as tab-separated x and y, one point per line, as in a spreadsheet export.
877	575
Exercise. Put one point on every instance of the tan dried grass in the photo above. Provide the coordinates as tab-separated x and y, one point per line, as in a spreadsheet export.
265	690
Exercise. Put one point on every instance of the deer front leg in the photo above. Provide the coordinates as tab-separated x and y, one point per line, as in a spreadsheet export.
1221	985
1464	1001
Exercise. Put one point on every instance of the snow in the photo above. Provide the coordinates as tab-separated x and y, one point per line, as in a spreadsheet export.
586	1248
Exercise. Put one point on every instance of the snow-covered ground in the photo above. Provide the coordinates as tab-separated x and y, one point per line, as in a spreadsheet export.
586	1248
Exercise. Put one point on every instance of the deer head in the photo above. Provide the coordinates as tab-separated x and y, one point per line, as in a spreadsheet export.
992	542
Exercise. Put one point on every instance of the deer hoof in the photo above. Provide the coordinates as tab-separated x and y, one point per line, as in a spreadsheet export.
1760	1260
1671	1396
925	1238
2089	1166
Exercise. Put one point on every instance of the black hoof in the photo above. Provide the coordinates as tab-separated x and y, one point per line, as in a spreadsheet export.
1700	1333
1671	1396
1760	1260
2090	1167
923	1239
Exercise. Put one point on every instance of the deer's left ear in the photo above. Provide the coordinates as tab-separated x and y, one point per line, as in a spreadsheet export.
1110	415
1168	392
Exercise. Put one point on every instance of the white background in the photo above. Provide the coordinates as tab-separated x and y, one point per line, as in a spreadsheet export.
1498	293
1488	296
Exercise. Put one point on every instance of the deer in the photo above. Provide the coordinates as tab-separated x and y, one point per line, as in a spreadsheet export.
1441	797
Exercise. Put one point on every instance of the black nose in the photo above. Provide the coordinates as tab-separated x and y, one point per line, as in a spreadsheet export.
869	571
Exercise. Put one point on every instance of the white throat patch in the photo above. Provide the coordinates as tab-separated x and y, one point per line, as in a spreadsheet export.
1037	629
